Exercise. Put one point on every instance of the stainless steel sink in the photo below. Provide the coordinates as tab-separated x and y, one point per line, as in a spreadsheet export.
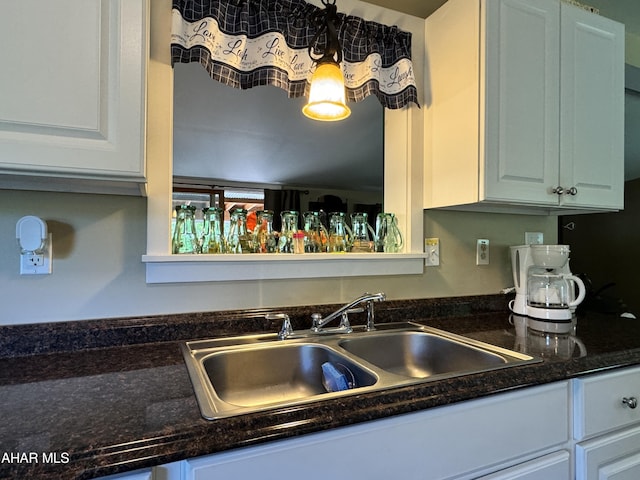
421	354
233	376
273	374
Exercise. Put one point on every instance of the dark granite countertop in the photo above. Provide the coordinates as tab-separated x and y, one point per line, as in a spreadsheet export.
87	399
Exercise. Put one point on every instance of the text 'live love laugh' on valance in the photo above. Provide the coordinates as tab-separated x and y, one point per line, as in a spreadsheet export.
246	43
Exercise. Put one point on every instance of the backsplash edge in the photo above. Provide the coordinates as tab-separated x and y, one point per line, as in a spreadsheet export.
55	337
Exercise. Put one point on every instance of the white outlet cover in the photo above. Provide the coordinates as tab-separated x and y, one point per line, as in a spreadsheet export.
482	251
38	264
533	238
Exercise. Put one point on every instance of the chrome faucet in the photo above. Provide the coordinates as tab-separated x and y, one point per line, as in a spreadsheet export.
343	312
287	330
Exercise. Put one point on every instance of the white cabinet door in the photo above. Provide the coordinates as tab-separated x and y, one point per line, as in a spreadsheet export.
72	88
610	457
592	109
139	475
555	466
606	405
521	115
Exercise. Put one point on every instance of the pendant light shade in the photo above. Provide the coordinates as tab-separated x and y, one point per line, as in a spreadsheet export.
327	97
326	94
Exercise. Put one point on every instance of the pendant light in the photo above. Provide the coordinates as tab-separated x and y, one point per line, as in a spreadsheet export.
326	93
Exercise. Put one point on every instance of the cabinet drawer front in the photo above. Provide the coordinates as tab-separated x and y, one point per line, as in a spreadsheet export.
599	402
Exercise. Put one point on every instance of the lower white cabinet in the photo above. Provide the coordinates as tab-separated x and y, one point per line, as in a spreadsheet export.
610	457
607	426
137	475
462	441
555	466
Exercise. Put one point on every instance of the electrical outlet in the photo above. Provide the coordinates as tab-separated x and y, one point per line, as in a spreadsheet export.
37	264
533	238
34	260
432	249
482	251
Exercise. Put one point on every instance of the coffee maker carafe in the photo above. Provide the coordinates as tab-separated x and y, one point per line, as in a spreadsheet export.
550	295
545	287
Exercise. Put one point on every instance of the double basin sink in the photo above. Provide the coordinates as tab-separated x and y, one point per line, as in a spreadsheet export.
234	376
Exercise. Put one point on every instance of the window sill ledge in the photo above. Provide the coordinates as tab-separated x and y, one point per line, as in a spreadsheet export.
215	268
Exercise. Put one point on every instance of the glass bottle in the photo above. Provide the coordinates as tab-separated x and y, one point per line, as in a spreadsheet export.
289	228
388	236
264	238
340	236
212	239
363	234
239	239
185	238
316	235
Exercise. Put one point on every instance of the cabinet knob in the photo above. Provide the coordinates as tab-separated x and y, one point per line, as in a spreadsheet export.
558	190
631	402
572	191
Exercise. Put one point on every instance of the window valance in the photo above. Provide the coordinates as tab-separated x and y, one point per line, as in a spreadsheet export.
247	43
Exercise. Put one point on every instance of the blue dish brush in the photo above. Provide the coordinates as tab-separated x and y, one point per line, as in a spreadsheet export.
332	379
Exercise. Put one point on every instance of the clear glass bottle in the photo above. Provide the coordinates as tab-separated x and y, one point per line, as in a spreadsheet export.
185	237
289	227
363	234
316	235
340	236
388	236
264	237
212	238
239	239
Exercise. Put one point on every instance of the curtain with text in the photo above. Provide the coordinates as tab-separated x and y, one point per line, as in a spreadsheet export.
247	43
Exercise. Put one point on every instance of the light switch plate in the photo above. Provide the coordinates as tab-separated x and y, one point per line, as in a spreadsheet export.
432	249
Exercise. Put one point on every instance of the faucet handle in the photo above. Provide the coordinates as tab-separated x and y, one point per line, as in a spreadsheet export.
344	322
287	330
355	310
316	318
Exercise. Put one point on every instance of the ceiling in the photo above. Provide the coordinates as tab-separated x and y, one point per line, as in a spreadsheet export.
261	123
417	8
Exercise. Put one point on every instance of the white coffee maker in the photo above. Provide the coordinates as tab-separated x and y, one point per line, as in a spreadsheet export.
545	287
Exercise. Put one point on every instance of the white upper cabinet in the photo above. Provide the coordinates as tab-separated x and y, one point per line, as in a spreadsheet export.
525	107
592	109
72	92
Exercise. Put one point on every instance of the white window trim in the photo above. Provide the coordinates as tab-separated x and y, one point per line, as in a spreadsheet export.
404	133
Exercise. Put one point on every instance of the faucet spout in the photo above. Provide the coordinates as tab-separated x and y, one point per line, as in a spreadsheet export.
367	299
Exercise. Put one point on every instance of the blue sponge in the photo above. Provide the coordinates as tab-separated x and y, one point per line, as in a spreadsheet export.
332	379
